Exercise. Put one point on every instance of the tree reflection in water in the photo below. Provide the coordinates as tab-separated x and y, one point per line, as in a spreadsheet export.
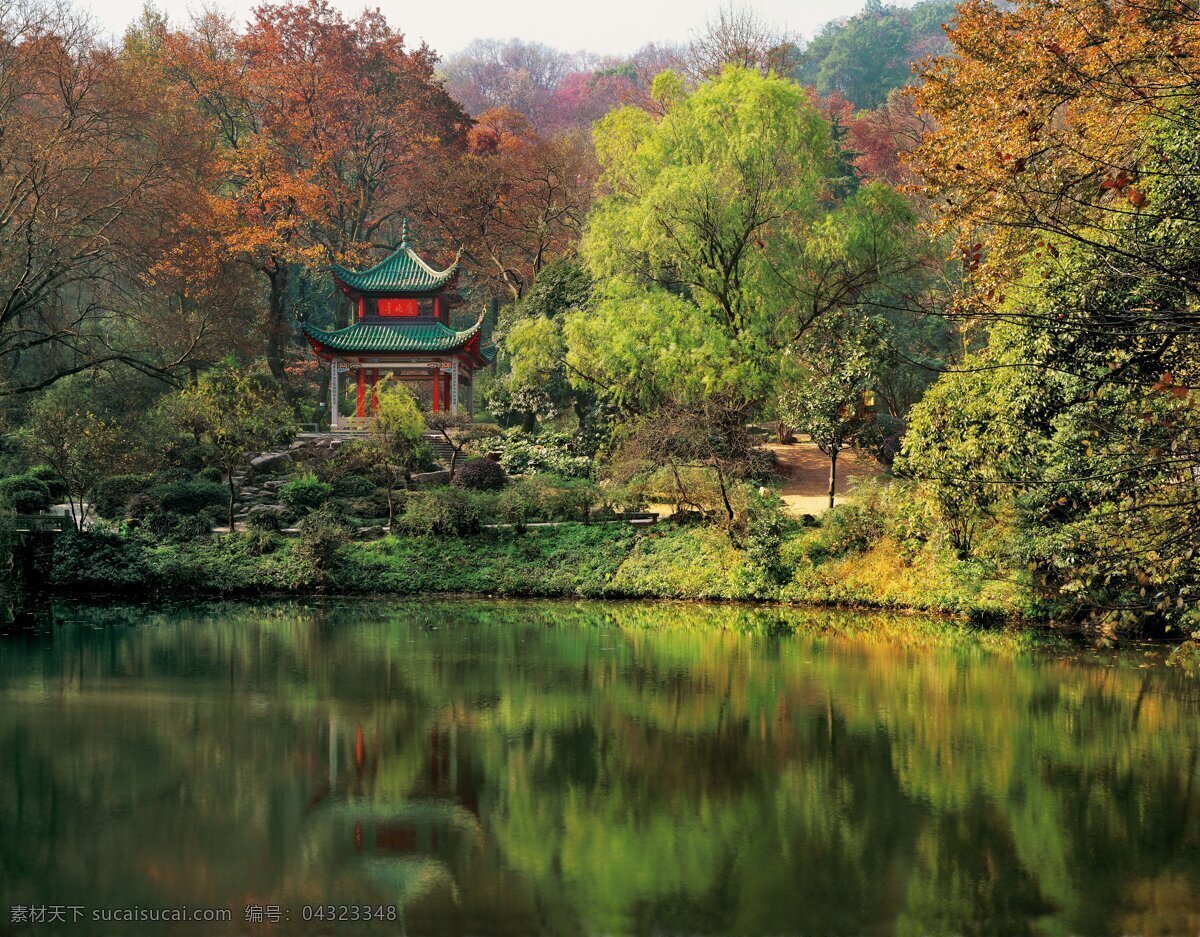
504	767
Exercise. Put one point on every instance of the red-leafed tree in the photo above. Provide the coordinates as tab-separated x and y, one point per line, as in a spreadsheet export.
515	200
881	138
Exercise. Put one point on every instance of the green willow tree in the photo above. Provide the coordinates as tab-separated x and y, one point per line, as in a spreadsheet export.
701	210
234	413
68	430
719	241
396	431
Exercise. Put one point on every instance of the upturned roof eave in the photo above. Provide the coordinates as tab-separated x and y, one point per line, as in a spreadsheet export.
452	342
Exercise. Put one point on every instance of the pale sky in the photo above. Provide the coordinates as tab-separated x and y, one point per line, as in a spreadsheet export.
606	27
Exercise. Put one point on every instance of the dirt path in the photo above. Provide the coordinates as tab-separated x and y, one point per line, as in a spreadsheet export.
806	471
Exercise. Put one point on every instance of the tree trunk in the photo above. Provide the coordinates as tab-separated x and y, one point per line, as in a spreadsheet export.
232	498
453	460
832	475
391	506
277	325
725	496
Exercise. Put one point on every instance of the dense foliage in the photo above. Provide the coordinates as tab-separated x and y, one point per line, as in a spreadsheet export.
991	274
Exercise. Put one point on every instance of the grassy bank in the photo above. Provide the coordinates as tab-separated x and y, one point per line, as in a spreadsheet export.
569	560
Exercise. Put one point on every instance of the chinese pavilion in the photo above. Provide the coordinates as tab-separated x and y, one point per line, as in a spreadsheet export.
401	325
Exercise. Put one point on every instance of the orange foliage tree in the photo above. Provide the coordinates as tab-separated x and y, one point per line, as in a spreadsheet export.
1041	117
321	122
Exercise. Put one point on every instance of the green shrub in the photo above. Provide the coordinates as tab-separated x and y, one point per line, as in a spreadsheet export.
845	529
306	493
58	487
260	541
480	475
24	494
372	507
177	528
763	540
99	561
140	507
322	534
216	515
264	520
444	510
518	504
355	486
567	499
176	473
210	473
189	496
568	560
904	510
112	495
546	453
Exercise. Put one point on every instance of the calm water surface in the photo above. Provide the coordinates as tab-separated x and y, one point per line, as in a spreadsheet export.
522	768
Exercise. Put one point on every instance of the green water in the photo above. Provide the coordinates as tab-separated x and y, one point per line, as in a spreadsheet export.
516	768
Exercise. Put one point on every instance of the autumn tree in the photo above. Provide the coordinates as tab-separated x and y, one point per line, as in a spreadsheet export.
737	36
515	200
514	75
321	121
95	159
1063	161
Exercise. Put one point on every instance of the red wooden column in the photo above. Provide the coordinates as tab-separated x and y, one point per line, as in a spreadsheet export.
437	382
361	391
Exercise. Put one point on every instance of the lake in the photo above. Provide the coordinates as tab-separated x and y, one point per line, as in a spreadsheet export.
484	767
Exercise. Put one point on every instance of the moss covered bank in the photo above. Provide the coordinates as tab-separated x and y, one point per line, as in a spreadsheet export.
564	561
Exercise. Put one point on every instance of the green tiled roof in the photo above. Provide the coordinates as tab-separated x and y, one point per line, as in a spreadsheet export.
403	272
361	338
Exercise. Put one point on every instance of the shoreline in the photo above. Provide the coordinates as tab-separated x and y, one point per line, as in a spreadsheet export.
565	562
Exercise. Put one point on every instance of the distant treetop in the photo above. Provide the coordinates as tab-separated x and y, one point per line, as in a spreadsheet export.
868	55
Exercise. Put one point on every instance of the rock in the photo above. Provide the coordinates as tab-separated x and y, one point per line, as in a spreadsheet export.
275	484
271	462
431	479
277	509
